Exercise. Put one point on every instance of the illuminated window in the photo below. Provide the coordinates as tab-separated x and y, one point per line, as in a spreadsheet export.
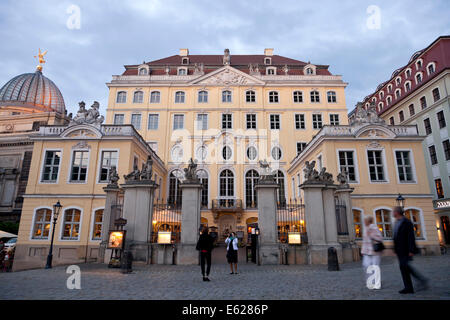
439	189
357	223
414	216
71	224
97	228
383	220
42	223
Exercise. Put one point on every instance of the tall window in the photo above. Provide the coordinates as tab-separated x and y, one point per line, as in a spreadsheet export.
439	189
423	102
179	97
436	94
138	97
71	224
279	179
276	153
357	223
376	167
397	93
250	96
79	166
226	96
251	178
441	119
401	116
433	155
155	97
273	97
203	176
418	78
407	86
42	222
388	100
51	166
227	153
97	227
298	96
404	167
414	216
347	163
153	121
202	121
331	96
109	159
275	122
383	220
411	110
121	97
299	121
226	183
446	146
174	197
427	125
251	120
252	153
203	96
178	121
300	147
136	121
227	121
119	119
317	121
315	96
334	119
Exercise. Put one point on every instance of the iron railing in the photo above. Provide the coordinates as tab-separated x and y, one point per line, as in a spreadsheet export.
166	217
291	218
229	205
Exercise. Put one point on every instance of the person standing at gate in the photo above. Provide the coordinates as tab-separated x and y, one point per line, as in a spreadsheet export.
405	248
205	245
232	252
371	236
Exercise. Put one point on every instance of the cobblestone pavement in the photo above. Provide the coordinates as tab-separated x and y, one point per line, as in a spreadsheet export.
253	282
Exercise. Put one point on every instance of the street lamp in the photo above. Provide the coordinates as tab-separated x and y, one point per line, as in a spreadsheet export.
400	201
56	210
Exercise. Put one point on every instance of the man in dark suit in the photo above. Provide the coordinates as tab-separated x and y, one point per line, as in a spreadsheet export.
405	248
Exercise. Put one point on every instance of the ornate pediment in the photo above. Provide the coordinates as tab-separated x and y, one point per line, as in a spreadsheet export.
373	133
81	133
227	76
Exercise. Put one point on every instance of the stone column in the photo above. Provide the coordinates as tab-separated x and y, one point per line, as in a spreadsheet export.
190	222
269	250
350	249
112	195
138	211
329	206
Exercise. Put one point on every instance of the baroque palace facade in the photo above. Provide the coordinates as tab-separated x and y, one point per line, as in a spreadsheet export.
230	113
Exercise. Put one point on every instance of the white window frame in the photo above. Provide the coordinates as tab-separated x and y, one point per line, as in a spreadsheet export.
279	121
91	231
338	119
321	120
276	96
385	169
140	120
410	86
198	122
391	218
355	161
221	121
31	237
406	73
117	97
271	69
331	94
41	181
157	94
310	96
246	153
247	92
114	119
413	166
421	77
61	226
256	120
434	68
222	96
301	95
185	69
282	152
198	96
69	173
295	121
183	95
134	96
417	63
173	121
99	168
157	122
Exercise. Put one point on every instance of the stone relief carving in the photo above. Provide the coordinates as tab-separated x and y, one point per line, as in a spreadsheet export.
91	116
81	145
133	175
227	78
363	116
311	175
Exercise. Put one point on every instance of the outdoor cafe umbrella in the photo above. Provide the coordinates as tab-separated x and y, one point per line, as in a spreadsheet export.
4	234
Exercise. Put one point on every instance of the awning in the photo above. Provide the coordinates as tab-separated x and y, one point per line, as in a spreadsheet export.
4	234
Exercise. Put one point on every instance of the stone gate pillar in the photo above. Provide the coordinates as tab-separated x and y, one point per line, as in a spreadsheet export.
112	195
269	250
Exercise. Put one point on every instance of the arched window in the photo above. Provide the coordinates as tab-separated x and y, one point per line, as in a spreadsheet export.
383	221
203	96
309	71
273	97
174	197
358	223
155	97
298	97
279	179
142	71
381	94
398	92
250	96
97	227
42	222
414	216
71	224
388	100
121	97
203	176
276	153
331	96
251	178
419	77
138	97
226	184
226	96
315	96
179	97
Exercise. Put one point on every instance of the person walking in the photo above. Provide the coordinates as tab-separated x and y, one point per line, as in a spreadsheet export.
371	236
232	252
405	248
205	245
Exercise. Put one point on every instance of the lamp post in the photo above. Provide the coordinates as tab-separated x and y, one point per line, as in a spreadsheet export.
56	209
400	201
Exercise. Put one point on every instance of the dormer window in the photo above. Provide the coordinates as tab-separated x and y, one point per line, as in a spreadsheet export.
309	71
185	61
389	88
397	93
380	106
142	71
182	71
398	80
381	94
388	100
419	77
408	86
271	71
408	73
419	64
431	68
267	61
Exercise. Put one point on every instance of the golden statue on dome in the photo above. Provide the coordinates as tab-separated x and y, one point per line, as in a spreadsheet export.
40	57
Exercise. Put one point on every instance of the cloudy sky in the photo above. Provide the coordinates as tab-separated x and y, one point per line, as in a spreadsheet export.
363	44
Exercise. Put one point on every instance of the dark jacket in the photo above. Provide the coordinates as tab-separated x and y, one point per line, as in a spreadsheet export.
205	242
404	239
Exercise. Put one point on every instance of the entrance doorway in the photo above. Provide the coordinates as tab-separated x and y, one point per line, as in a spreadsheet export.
445	229
227	224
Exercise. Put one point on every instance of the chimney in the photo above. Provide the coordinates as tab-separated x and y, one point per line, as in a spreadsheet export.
184	52
268	51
